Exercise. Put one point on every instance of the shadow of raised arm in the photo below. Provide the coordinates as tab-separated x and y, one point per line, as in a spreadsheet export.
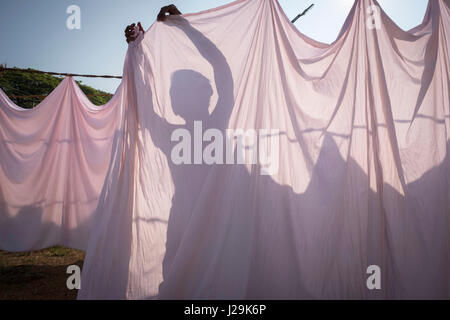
222	73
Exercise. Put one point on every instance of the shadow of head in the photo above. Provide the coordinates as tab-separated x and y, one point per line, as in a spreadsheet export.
190	93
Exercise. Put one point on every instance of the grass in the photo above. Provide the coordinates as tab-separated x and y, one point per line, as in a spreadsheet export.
38	275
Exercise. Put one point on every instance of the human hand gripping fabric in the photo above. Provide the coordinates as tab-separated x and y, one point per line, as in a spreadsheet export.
168	10
132	31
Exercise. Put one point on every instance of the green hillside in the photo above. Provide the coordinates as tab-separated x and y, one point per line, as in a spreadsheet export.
18	83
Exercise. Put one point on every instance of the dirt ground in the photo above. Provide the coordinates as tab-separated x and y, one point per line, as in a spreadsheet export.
38	275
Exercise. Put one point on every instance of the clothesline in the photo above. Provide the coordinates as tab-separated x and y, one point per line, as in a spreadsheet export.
59	73
43	96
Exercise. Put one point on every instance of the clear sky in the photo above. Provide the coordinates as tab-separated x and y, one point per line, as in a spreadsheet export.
33	33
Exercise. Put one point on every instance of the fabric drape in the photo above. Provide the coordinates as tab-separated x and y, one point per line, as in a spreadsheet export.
362	173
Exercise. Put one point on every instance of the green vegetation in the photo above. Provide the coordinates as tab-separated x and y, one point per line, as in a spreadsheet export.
18	83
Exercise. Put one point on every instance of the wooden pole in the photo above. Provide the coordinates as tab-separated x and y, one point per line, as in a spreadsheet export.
302	14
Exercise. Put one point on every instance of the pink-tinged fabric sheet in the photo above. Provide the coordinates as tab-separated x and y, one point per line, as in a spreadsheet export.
363	176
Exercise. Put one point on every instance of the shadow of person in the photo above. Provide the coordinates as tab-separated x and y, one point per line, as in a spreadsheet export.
210	241
192	105
190	94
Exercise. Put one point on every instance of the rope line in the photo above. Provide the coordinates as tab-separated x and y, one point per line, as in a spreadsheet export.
43	96
59	73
